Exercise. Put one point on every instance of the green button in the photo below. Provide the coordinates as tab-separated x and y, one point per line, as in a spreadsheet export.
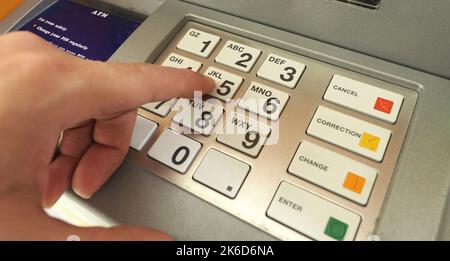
336	229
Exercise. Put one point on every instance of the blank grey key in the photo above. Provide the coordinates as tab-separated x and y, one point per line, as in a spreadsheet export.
222	173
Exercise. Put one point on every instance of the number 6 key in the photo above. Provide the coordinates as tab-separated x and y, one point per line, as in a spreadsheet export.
264	101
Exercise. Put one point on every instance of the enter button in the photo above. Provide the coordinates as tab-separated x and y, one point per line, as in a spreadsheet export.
312	215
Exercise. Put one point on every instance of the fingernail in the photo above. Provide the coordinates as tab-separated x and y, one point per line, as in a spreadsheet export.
79	193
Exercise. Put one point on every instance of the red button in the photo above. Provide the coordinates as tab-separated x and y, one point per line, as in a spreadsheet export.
384	105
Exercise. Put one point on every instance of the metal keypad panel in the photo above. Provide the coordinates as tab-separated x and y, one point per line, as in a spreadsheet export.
315	146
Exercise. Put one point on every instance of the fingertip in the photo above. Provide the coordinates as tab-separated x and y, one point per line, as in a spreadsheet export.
197	82
210	84
81	193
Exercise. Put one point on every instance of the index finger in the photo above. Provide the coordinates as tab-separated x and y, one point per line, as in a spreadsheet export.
102	89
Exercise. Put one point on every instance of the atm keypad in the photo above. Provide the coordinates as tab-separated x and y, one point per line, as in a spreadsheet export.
279	136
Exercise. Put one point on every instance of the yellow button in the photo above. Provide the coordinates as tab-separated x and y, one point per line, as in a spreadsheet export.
369	141
7	7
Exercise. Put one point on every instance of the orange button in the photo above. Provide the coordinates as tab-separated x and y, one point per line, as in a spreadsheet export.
7	7
354	183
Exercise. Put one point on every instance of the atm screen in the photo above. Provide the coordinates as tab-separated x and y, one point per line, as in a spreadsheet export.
82	31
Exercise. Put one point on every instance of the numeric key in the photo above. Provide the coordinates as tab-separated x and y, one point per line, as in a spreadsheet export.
281	70
198	43
201	117
238	56
227	83
264	101
178	61
245	135
175	150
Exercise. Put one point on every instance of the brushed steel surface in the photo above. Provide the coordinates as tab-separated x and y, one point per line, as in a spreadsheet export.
270	168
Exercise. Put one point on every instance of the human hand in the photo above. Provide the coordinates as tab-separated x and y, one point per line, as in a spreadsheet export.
44	91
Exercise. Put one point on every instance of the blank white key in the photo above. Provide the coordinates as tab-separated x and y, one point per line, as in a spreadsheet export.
198	42
281	70
160	108
368	99
178	61
312	215
222	173
175	150
227	83
199	116
238	56
243	134
264	101
334	172
350	133
143	131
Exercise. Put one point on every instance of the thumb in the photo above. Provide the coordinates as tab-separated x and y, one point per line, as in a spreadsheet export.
119	233
24	220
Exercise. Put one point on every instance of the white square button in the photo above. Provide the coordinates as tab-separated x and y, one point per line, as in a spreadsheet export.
264	101
222	173
199	116
175	150
238	56
178	61
243	134
281	70
143	131
160	108
198	43
227	84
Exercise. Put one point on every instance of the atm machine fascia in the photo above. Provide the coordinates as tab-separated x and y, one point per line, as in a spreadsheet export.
402	42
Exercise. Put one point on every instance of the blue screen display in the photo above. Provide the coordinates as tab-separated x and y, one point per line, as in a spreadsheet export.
81	30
